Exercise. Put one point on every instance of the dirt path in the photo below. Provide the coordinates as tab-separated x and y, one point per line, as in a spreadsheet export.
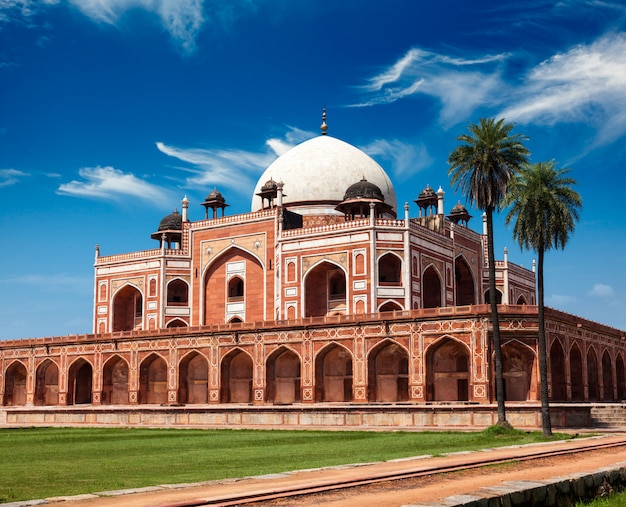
391	494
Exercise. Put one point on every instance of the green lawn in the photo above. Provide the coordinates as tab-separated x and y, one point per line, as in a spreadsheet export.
44	462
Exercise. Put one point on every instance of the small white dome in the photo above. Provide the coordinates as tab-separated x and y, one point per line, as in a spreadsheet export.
317	173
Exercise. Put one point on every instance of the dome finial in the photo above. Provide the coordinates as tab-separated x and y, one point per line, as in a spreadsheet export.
324	127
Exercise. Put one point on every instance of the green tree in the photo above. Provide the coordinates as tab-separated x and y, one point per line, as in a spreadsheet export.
482	167
545	209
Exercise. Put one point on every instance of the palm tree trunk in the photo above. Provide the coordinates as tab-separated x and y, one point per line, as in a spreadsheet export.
495	322
546	423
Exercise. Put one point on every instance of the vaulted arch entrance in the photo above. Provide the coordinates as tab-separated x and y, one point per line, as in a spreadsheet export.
576	374
127	309
333	374
236	377
325	290
431	288
283	377
15	385
519	373
592	375
447	371
153	380
47	384
79	382
607	377
464	283
388	368
557	372
115	382
193	379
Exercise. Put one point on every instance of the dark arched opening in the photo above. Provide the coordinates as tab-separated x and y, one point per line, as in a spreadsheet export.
388	379
447	371
333	375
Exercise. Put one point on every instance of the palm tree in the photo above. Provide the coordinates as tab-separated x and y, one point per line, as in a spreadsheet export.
482	167
545	208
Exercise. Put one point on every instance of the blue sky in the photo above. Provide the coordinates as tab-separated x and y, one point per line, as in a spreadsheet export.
111	111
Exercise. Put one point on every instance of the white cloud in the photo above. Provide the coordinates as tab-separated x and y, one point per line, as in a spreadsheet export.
601	290
560	300
10	177
22	9
585	84
404	159
460	84
108	182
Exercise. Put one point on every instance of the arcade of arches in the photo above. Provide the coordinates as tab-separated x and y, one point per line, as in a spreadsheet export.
402	360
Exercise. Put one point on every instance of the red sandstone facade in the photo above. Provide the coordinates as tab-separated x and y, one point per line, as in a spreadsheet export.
311	299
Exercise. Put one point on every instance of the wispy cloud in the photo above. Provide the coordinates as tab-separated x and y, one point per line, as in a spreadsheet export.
460	84
584	84
560	300
110	183
232	168
601	290
401	158
10	177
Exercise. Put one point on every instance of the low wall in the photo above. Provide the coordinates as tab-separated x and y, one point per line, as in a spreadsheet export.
355	417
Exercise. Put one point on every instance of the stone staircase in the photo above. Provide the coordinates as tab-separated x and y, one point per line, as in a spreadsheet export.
609	416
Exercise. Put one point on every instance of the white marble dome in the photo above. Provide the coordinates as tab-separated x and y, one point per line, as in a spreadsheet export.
317	173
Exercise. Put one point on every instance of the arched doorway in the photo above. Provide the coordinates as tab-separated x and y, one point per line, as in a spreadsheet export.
193	379
388	368
389	270
333	375
498	297
236	377
283	377
431	288
607	377
576	373
177	293
592	375
47	384
153	380
115	382
79	382
325	290
127	309
557	372
447	371
518	371
464	283
390	306
621	381
15	385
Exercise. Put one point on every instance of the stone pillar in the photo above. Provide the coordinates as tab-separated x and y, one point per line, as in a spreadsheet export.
359	368
214	371
172	373
306	369
258	375
63	376
133	376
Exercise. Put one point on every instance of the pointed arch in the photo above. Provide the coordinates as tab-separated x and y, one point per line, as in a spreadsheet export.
607	377
593	383
431	288
47	384
577	373
464	286
498	297
389	306
153	380
115	381
333	374
245	270
325	289
389	269
177	322
193	378
519	370
177	292
621	379
388	372
127	308
557	372
521	300
15	384
236	377
79	382
283	377
447	371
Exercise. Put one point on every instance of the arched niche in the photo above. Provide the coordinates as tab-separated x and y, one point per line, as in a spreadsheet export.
389	270
236	377
607	377
79	381
15	385
47	384
127	309
576	373
431	288
283	377
333	374
592	375
177	293
518	371
115	381
325	290
447	371
193	379
388	368
463	283
153	380
558	379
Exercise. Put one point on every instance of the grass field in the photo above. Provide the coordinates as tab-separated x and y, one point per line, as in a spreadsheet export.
44	462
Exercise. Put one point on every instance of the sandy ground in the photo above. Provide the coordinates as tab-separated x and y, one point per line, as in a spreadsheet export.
389	494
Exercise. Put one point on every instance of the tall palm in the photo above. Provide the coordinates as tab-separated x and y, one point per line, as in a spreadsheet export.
545	209
482	167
